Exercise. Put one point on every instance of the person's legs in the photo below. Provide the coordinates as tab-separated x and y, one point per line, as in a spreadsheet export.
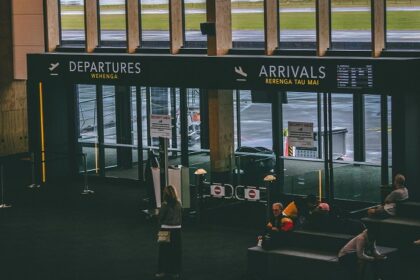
163	259
175	253
350	264
361	268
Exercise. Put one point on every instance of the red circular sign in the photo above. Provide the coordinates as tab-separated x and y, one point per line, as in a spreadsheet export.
252	194
217	190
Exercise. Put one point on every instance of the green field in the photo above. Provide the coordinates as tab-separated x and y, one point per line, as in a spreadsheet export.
407	20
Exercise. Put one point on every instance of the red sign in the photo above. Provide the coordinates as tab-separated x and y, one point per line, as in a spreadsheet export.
252	194
217	190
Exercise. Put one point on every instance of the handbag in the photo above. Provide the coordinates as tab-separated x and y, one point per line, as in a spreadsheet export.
164	236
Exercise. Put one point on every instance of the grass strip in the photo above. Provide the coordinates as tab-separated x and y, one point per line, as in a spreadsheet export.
409	20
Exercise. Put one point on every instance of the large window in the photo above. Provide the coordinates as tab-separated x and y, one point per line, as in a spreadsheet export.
351	24
403	24
297	24
248	23
112	21
72	22
155	23
195	13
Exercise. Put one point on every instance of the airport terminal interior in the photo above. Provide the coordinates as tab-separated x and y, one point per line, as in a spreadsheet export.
238	104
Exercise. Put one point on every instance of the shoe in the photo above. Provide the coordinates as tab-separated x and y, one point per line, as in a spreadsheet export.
160	275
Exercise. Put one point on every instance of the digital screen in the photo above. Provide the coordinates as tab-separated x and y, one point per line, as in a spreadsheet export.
357	77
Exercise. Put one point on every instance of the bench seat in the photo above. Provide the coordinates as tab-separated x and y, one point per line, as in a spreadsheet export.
302	258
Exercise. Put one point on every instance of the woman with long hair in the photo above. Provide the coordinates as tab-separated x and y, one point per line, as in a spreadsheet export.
170	219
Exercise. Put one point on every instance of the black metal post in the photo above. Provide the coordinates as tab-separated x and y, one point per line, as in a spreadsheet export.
184	127
384	141
359	127
319	123
330	148
277	128
326	148
100	116
139	103
238	118
163	156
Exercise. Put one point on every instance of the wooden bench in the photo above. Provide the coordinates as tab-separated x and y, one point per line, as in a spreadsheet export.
311	255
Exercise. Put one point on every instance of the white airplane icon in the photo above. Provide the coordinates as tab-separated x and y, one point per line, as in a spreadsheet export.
53	66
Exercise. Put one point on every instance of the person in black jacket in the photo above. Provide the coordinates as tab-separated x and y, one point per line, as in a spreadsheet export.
170	219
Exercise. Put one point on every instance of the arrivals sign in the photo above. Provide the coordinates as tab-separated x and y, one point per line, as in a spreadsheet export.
271	73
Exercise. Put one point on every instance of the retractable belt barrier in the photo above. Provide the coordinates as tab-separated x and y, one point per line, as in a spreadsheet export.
240	192
216	190
251	193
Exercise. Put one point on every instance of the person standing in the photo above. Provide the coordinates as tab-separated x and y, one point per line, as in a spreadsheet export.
170	219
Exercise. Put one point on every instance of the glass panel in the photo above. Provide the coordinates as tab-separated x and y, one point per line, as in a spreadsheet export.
160	105
133	102
256	127
155	23
88	125
297	24
194	121
342	126
306	176
357	182
143	93
72	22
195	13
112	21
403	24
301	107
351	24
248	23
373	128
110	133
303	177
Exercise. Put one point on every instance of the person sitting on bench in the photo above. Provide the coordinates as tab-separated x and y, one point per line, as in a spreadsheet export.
302	210
400	193
317	213
358	252
277	229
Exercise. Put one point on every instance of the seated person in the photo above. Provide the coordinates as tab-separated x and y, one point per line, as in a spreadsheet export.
358	252
400	193
277	228
308	208
317	213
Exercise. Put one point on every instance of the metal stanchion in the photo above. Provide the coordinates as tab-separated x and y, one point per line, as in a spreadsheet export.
268	181
199	184
3	205
33	185
86	189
